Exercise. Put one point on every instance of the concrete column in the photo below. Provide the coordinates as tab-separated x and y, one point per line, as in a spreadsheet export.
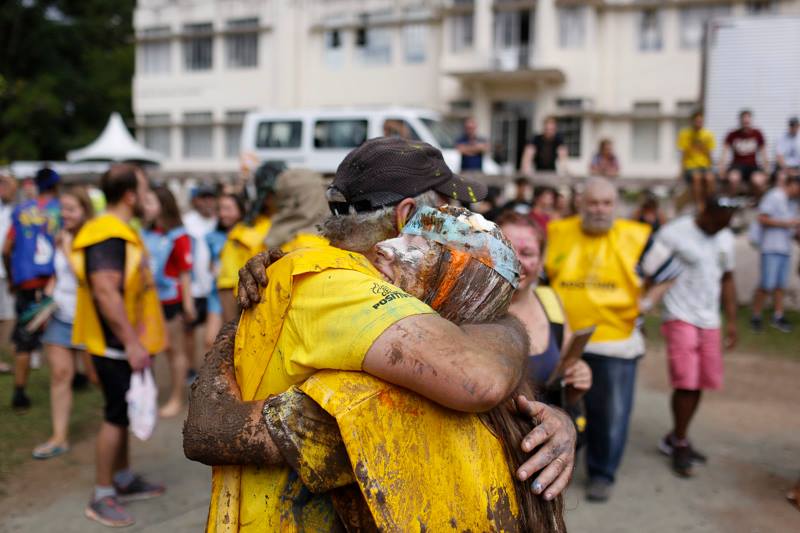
546	33
481	108
483	29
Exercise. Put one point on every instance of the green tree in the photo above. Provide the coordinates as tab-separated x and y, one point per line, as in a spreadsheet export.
65	65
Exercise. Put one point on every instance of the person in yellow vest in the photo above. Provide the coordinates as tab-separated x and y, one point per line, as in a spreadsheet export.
247	237
118	318
591	262
696	144
369	204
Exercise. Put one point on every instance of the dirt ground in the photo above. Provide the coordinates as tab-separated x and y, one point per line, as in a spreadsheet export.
751	432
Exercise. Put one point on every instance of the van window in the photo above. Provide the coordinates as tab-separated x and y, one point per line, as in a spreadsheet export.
279	134
397	127
341	133
444	134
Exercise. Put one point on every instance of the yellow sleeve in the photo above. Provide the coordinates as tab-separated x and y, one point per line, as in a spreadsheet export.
336	315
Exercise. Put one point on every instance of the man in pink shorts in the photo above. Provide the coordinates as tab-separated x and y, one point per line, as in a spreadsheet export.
697	254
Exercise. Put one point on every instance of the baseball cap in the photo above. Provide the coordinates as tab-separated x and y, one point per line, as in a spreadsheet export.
385	170
46	179
794	121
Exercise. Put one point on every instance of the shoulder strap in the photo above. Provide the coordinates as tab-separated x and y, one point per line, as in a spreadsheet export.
552	306
554	312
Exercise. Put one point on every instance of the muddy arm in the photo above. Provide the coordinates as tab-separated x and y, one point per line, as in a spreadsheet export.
309	440
470	368
220	428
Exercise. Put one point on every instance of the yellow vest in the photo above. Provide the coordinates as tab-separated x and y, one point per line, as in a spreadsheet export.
595	275
253	498
419	466
243	242
142	306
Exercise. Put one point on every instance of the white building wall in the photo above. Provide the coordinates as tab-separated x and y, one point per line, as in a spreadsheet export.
609	72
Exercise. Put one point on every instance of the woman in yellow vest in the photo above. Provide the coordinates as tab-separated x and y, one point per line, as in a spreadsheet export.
246	238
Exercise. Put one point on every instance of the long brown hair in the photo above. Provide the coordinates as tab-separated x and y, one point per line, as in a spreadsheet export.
478	293
170	217
81	196
504	421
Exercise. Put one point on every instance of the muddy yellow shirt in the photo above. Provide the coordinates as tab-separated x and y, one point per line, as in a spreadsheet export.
323	309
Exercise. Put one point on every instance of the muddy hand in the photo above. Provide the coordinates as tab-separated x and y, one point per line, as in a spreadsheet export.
555	459
253	277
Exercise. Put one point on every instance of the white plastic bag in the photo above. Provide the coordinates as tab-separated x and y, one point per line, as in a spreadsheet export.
142	400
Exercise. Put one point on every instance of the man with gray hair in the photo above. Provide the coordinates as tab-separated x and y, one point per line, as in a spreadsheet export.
592	263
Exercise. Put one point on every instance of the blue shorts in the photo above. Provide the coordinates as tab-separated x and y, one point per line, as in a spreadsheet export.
774	271
214	305
59	333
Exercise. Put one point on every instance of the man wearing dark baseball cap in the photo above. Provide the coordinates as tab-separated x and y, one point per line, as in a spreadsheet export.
384	171
377	188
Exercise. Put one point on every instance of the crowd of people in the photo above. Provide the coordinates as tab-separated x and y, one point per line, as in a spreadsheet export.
348	329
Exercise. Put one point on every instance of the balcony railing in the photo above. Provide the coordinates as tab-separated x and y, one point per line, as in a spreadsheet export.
512	58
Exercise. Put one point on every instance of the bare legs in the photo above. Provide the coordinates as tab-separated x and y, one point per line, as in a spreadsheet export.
703	186
62	370
178	365
684	406
111	453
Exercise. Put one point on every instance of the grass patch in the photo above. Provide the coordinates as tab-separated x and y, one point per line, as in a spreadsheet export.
19	433
769	342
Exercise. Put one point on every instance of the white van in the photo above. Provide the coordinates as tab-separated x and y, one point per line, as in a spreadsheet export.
319	139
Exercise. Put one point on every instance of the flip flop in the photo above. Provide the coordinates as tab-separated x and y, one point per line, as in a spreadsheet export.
48	451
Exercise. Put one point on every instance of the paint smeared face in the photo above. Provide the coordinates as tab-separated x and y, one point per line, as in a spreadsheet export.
407	261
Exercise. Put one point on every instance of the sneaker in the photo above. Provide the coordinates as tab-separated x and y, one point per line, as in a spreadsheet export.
598	490
20	400
36	360
138	489
108	512
665	447
757	324
781	324
682	461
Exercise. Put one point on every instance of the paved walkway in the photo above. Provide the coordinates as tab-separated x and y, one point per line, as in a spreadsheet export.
751	432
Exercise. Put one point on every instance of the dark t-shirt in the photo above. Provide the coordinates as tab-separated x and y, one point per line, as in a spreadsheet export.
546	151
107	255
745	145
471	162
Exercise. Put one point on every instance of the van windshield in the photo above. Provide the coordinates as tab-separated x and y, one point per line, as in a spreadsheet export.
445	134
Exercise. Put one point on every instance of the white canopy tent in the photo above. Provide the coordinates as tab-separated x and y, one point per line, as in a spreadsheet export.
115	144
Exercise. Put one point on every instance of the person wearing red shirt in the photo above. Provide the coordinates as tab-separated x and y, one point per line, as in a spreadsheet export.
740	156
170	248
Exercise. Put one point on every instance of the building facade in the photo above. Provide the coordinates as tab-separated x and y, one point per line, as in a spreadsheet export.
625	70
